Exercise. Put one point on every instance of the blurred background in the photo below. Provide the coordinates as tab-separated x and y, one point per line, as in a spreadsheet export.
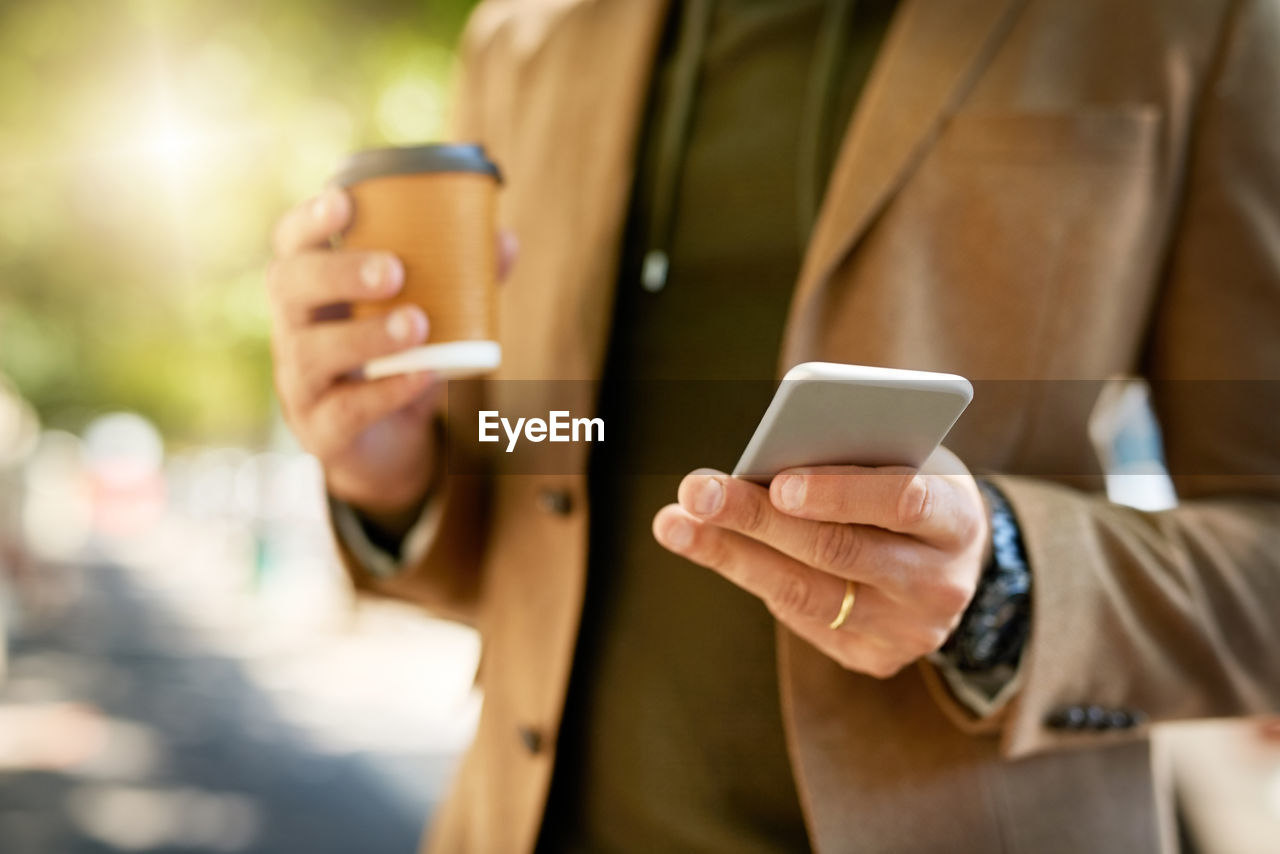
182	667
185	668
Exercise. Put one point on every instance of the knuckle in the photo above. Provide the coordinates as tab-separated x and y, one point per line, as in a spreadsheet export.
882	667
846	656
835	545
921	637
934	637
403	392
391	395
792	595
952	596
709	549
915	502
346	418
888	670
333	273
711	543
364	339
754	515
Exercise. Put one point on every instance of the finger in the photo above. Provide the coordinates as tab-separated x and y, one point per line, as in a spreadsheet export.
311	224
793	592
348	409
323	353
788	588
896	498
304	283
508	251
857	552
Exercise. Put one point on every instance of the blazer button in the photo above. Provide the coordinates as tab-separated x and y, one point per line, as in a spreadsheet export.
1097	718
557	502
1067	717
531	738
1127	718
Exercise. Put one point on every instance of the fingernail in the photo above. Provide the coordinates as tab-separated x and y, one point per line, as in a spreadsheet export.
791	492
332	207
406	324
708	496
677	534
382	273
395	273
322	207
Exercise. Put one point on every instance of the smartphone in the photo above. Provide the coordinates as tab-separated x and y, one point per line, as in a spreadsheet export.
825	413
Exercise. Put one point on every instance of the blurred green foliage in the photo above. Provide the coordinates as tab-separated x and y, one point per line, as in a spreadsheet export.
146	148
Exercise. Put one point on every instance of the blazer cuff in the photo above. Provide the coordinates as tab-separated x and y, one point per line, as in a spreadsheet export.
378	562
963	704
981	694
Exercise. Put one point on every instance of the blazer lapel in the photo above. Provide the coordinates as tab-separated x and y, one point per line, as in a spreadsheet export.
933	54
608	83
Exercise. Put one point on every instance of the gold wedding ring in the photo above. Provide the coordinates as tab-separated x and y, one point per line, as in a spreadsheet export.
846	605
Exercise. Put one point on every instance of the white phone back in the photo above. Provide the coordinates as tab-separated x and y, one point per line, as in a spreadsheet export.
825	413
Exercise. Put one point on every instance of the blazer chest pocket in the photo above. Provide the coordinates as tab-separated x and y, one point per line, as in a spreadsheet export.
1037	178
1035	233
1075	190
1054	216
1097	136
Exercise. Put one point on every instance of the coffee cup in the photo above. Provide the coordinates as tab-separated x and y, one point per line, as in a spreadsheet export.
435	208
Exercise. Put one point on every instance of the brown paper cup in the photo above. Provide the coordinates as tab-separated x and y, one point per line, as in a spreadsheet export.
435	208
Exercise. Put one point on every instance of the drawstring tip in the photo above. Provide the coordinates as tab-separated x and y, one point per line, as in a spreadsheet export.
653	275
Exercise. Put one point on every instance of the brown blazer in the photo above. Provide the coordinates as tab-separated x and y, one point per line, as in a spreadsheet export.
1030	190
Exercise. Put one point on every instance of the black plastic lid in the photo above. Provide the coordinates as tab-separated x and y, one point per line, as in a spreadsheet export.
453	157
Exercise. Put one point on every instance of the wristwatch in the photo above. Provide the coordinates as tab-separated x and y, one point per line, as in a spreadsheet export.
995	625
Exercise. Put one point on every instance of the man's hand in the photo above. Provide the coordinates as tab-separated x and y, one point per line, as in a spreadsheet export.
913	543
371	436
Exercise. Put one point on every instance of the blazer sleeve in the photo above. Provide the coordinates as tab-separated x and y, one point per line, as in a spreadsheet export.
444	573
445	578
1176	614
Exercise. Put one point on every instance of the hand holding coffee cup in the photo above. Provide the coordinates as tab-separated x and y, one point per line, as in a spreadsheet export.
337	308
435	207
